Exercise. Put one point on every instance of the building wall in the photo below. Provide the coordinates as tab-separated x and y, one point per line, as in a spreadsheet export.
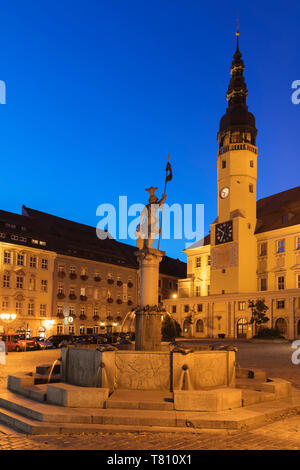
221	313
91	295
22	272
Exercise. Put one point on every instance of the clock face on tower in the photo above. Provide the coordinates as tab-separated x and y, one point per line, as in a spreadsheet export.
224	193
224	232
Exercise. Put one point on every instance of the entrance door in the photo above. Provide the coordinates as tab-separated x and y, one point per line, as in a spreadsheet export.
281	325
242	328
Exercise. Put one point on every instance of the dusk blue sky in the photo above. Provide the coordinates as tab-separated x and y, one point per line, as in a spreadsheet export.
99	92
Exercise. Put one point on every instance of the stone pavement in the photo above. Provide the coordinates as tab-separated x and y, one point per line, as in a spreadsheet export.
279	435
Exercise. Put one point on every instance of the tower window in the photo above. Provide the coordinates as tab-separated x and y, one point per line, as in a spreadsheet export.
223	163
251	188
251	163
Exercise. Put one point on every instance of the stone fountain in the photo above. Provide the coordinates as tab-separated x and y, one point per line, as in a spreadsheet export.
93	389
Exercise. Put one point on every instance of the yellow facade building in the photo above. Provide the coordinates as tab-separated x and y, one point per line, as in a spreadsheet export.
253	249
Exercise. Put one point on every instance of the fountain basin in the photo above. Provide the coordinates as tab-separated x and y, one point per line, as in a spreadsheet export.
148	370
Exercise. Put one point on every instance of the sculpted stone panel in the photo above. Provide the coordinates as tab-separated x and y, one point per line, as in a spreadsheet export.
143	371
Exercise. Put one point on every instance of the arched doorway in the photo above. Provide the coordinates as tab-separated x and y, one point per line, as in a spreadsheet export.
187	327
242	326
199	327
281	324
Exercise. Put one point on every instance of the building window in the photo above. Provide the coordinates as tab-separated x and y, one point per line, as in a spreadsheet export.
44	285
71	311
82	310
251	164
208	260
43	310
19	308
199	308
298	243
280	246
263	249
44	264
6	280
61	268
198	262
82	330
7	257
223	163
263	284
31	308
5	306
59	329
251	188
60	289
298	281
280	282
159	283
71	330
20	282
208	290
285	219
198	291
32	261
72	269
242	305
280	304
59	309
186	308
174	309
20	260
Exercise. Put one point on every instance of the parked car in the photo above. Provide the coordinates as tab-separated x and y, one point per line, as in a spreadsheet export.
43	343
18	343
57	339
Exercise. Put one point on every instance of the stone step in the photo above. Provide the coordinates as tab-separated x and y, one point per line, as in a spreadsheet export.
251	397
142	420
251	384
143	400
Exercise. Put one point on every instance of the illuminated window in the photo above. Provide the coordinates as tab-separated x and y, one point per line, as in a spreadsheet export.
31	308
19	308
7	257
242	305
198	291
43	310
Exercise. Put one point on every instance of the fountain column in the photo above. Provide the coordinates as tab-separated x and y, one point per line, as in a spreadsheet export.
148	314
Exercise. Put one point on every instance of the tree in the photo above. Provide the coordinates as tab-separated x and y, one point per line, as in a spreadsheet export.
258	309
169	330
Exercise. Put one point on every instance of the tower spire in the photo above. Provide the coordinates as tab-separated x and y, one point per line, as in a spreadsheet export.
237	116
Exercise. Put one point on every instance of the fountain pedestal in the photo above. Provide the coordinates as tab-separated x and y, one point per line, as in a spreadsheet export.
148	314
